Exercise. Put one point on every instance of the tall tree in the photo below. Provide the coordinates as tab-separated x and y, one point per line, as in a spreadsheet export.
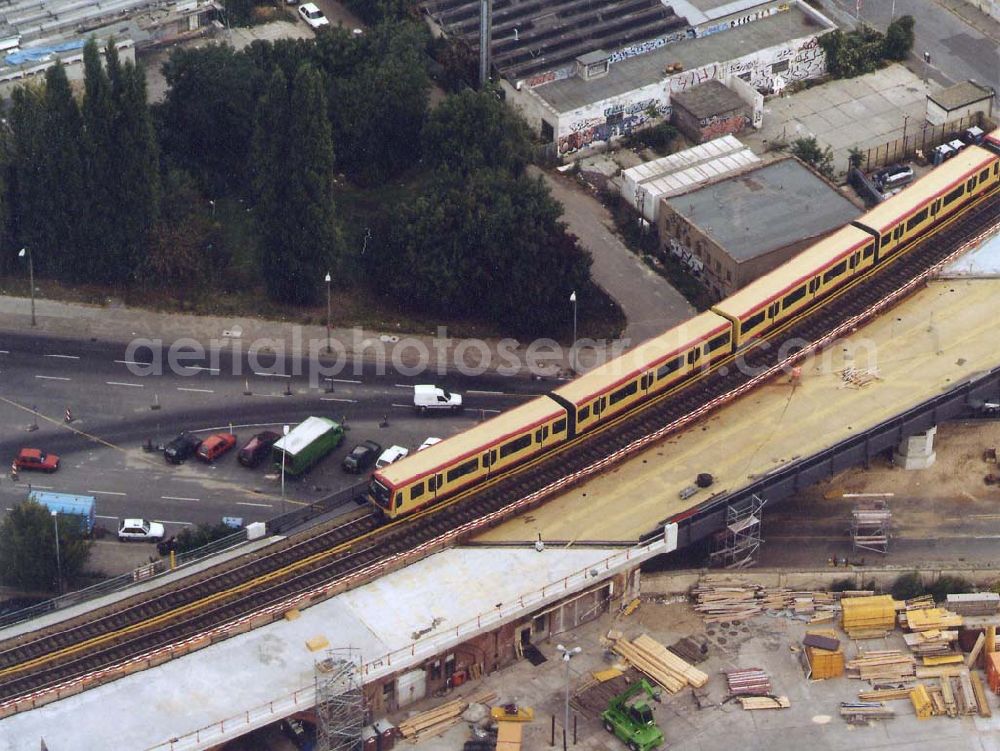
294	156
899	38
27	118
28	548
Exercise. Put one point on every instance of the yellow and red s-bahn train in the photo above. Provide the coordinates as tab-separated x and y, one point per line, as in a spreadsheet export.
655	365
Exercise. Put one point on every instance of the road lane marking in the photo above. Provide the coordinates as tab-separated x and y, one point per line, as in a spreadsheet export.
130	385
272	375
38	487
493	411
167	521
403	385
335	399
200	391
490	393
133	362
105	517
6	352
271	395
258	505
53	378
403	406
66	357
341	380
177	498
104	492
201	367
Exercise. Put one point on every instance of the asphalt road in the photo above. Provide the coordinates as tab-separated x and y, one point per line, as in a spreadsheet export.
958	50
113	416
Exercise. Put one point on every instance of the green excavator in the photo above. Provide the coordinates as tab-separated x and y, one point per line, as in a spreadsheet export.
629	716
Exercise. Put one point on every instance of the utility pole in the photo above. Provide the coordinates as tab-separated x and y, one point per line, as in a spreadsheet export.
485	39
567	655
329	347
31	280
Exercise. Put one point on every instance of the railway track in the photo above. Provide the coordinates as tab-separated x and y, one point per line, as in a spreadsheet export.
166	616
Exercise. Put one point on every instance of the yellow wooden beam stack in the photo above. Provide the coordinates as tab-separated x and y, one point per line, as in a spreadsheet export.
863	616
921	702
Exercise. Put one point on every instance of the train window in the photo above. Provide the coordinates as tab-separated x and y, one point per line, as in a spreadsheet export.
834	272
541	434
886	239
583	414
624	391
898	232
720	341
869	251
814	284
916	219
399	500
463	469
669	367
772	311
954	195
486	459
559	426
432	484
693	356
752	322
984	175
970	184
416	491
512	447
793	298
996	168
599	405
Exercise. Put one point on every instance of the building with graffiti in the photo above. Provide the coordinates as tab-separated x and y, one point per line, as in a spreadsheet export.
709	110
753	49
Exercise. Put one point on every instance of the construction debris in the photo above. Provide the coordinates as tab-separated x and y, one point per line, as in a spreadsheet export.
765	702
921	701
825	658
931	643
719	601
748	682
690	649
438	720
928	619
660	664
859	377
859	713
981	603
883	666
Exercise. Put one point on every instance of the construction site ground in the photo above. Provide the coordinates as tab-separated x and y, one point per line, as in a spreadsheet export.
769	642
938	337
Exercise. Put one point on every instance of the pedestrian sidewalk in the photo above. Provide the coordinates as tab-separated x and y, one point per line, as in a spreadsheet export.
403	353
968	11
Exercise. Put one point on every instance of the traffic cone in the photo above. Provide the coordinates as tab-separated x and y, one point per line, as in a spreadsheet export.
69	415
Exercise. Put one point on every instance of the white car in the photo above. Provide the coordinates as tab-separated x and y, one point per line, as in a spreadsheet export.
313	15
140	529
427	397
428	443
390	455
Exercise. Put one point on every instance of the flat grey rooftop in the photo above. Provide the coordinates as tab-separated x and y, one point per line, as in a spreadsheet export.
707	99
959	95
765	209
636	72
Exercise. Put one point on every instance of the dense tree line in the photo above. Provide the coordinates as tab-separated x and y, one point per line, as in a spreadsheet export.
105	189
28	548
866	49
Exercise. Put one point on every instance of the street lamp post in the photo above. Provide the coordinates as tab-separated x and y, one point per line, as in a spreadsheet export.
567	655
284	458
212	204
55	520
572	299
927	65
329	347
31	279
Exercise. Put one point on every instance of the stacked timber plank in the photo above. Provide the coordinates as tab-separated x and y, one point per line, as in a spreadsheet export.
887	694
660	664
993	671
866	617
921	701
765	702
920	603
932	643
981	603
438	720
748	682
863	711
930	619
718	601
882	666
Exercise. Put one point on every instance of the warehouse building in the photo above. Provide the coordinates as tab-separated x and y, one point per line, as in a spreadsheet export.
737	229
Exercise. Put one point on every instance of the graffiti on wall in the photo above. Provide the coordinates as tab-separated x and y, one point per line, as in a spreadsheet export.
652	44
548	76
770	74
726	24
619	119
695	76
717	126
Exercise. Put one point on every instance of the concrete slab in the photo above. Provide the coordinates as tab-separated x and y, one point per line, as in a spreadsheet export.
981	263
777	424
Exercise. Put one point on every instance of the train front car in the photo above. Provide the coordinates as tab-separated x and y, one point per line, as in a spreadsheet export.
469	458
645	371
947	189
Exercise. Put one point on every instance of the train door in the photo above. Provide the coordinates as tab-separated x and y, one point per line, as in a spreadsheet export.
855	260
435	483
489	459
599	406
646	381
813	285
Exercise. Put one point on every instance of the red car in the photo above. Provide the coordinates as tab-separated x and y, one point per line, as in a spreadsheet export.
36	459
215	446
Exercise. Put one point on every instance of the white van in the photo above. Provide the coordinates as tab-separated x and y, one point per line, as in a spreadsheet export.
431	397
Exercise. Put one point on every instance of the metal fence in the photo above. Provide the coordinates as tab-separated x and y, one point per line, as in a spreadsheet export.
922	138
309	512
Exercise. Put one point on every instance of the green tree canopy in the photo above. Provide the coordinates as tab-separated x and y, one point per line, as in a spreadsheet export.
28	548
899	38
810	152
488	246
474	129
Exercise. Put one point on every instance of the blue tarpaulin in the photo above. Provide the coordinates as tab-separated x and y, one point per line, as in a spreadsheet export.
38	54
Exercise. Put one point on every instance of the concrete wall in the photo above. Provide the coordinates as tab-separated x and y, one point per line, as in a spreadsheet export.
676	583
937	115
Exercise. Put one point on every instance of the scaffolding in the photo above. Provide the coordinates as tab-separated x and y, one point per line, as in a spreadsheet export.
738	544
871	523
340	701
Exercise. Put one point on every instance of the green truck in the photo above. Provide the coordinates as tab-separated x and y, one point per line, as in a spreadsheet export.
306	444
629	716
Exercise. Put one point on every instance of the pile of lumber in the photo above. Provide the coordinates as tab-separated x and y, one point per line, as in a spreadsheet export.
920	603
866	617
765	702
856	712
930	619
663	666
921	701
882	666
932	643
826	658
887	694
438	720
981	603
718	601
690	650
748	682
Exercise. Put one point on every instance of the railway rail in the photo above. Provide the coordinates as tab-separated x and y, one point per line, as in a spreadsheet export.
306	565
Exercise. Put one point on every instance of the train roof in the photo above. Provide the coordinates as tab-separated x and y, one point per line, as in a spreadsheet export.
786	277
994	136
641	357
514	421
937	182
